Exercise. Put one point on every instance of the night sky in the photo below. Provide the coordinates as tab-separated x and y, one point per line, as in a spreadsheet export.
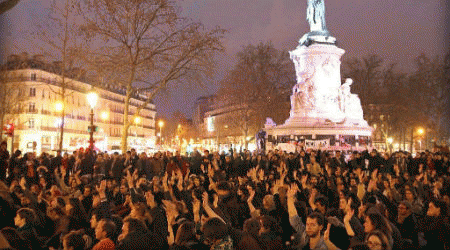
396	30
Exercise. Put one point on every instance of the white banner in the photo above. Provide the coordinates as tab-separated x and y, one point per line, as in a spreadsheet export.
288	147
317	143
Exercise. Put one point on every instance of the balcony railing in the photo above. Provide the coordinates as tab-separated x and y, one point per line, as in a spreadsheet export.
32	111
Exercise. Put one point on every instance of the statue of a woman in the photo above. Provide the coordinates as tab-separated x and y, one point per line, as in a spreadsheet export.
315	14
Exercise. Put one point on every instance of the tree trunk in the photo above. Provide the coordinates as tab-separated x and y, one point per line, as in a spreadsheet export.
61	128
2	117
126	125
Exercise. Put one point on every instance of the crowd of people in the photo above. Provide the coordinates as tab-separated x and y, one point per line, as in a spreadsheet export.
313	199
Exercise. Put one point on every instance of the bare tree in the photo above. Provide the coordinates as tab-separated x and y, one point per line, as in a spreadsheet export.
429	92
258	87
12	95
6	5
419	98
144	45
60	41
366	73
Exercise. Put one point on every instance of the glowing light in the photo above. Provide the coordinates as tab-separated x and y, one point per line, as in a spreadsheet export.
137	120
210	123
390	140
104	115
420	131
92	98
161	123
58	122
59	106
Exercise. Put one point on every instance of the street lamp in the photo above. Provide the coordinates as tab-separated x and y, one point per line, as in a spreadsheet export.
137	120
92	98
420	131
59	106
104	115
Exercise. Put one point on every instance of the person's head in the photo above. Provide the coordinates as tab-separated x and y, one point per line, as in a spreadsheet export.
404	208
410	195
24	216
75	209
73	241
269	202
321	203
133	225
314	224
55	213
94	221
105	229
87	191
185	233
343	203
376	221
377	240
214	230
223	188
3	145
139	211
268	223
252	226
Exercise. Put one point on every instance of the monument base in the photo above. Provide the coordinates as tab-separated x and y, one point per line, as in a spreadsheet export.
318	133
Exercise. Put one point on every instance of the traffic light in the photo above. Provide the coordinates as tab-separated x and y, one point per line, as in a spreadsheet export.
92	128
9	129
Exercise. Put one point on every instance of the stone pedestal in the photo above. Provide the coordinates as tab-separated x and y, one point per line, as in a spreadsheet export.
321	107
315	97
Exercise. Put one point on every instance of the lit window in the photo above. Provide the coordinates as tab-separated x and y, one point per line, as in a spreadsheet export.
32	107
31	123
32	92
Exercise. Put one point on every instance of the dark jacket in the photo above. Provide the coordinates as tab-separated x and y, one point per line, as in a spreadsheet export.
29	233
142	241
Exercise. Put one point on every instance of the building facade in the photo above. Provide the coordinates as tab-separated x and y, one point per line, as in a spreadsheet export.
38	119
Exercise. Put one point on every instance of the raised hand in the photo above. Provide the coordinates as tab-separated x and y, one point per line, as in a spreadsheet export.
150	198
135	174
23	183
216	200
375	174
205	198
304	180
348	216
326	235
196	205
129	179
251	194
292	191
171	211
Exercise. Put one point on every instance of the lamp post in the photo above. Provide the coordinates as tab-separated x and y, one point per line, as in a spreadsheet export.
92	98
160	124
